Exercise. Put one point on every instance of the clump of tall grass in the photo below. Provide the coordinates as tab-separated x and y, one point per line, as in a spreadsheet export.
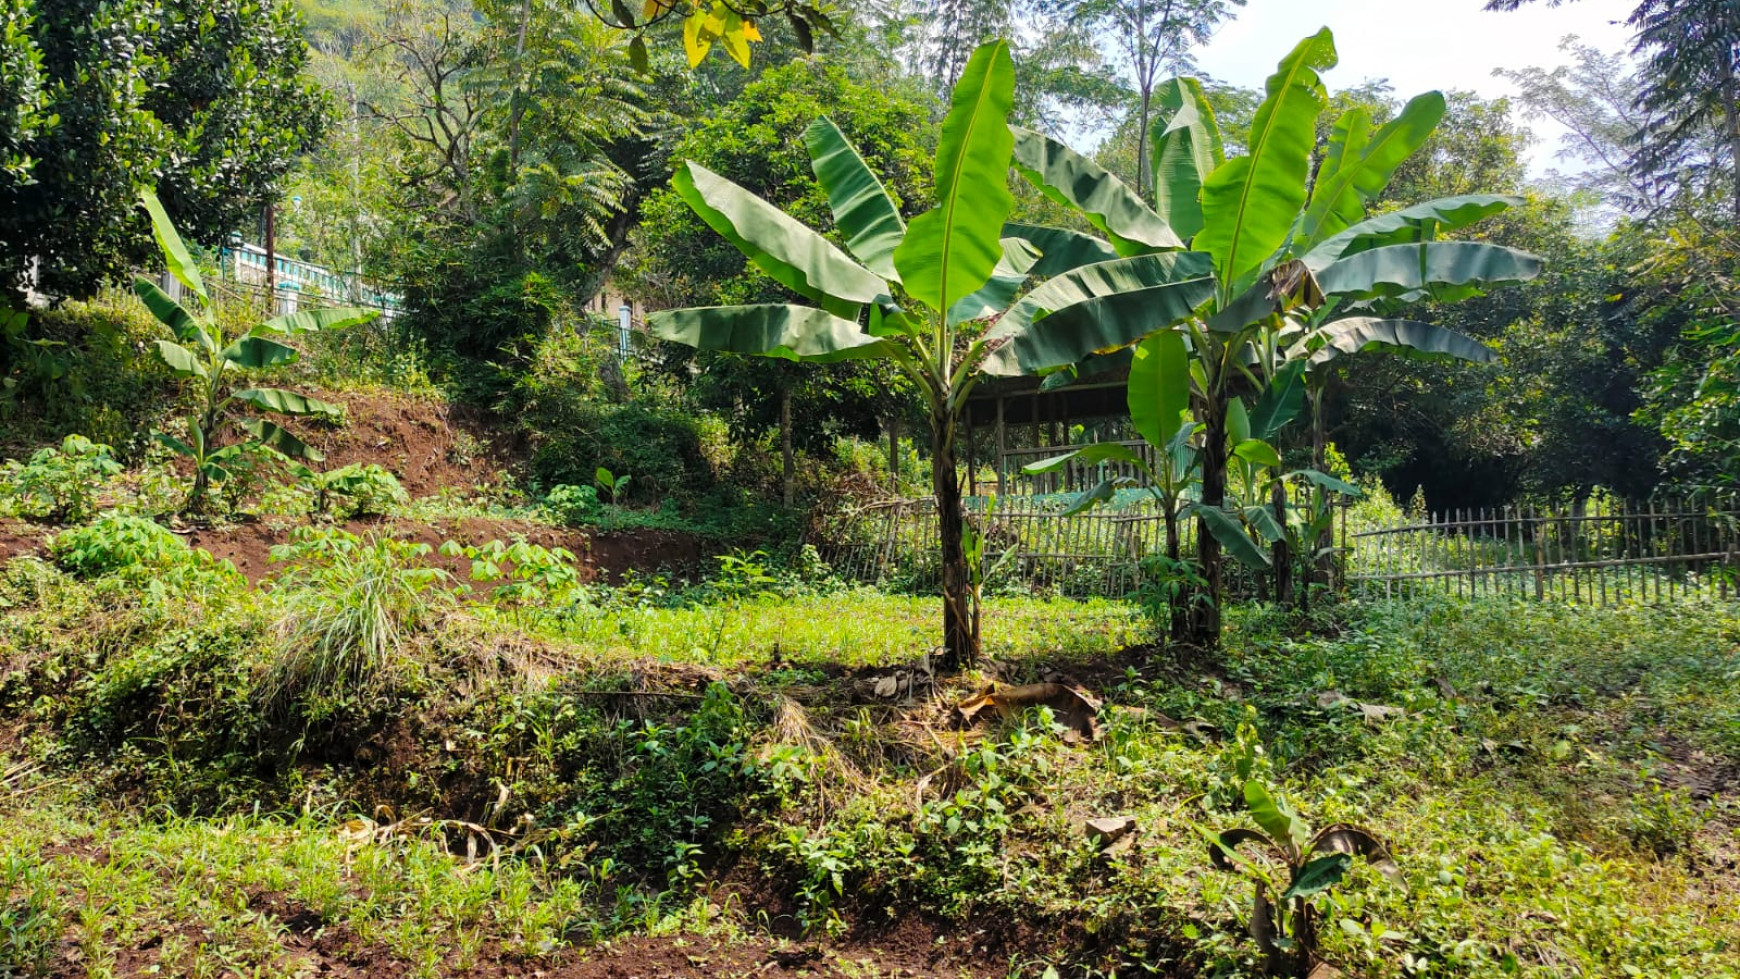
350	608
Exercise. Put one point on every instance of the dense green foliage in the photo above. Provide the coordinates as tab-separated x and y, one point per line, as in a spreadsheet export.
205	100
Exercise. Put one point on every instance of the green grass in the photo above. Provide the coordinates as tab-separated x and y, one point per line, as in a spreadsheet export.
856	628
1556	783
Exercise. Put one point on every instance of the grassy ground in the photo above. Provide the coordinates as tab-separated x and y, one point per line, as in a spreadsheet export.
533	770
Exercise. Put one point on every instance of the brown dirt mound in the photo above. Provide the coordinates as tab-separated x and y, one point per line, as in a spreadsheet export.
317	947
606	554
601	555
428	444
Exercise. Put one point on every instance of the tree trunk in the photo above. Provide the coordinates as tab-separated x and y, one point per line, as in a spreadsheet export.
894	456
788	461
1205	609
960	615
1326	558
1281	554
1177	600
1143	177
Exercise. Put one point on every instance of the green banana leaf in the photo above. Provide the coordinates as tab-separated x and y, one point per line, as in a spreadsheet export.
1087	455
950	250
1250	203
1281	402
999	290
1104	279
1238	422
1076	182
258	353
862	208
168	312
181	264
1098	326
1060	250
1227	529
1257	452
1365	164
1103	491
1401	270
1421	222
1159	386
796	333
794	255
1410	338
274	437
176	445
1262	520
287	402
1187	148
316	320
180	359
1318	876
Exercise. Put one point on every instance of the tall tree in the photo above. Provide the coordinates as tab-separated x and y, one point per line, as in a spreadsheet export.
757	140
203	98
1153	39
1690	51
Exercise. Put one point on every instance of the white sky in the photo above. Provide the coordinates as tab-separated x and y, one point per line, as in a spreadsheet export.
1417	45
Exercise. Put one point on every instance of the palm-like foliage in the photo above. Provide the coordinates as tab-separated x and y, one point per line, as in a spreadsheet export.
915	293
1288	253
203	354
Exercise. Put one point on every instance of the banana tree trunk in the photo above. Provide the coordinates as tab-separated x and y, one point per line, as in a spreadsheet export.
787	457
1326	558
1281	554
1177	599
1205	610
960	614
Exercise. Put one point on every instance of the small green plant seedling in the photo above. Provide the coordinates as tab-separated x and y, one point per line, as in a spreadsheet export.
1284	913
613	484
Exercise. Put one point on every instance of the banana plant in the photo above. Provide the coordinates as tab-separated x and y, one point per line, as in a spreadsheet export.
918	294
220	366
1296	867
1281	247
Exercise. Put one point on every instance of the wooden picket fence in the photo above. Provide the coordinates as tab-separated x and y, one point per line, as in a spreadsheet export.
1603	552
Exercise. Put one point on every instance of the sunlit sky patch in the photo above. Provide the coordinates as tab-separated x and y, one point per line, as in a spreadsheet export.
1418	45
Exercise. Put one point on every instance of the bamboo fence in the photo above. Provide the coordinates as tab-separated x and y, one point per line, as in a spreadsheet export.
1602	552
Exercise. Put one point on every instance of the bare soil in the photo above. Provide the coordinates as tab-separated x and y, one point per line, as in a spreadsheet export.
430	446
314	946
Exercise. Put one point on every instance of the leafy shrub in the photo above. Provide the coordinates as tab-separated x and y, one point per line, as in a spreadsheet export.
61	485
685	782
349	606
142	551
574	437
524	574
98	384
576	506
368	490
575	428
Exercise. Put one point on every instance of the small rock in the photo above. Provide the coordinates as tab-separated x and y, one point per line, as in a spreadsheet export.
887	686
1109	829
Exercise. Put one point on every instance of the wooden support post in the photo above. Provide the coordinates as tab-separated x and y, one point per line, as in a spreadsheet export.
969	457
1002	451
894	455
